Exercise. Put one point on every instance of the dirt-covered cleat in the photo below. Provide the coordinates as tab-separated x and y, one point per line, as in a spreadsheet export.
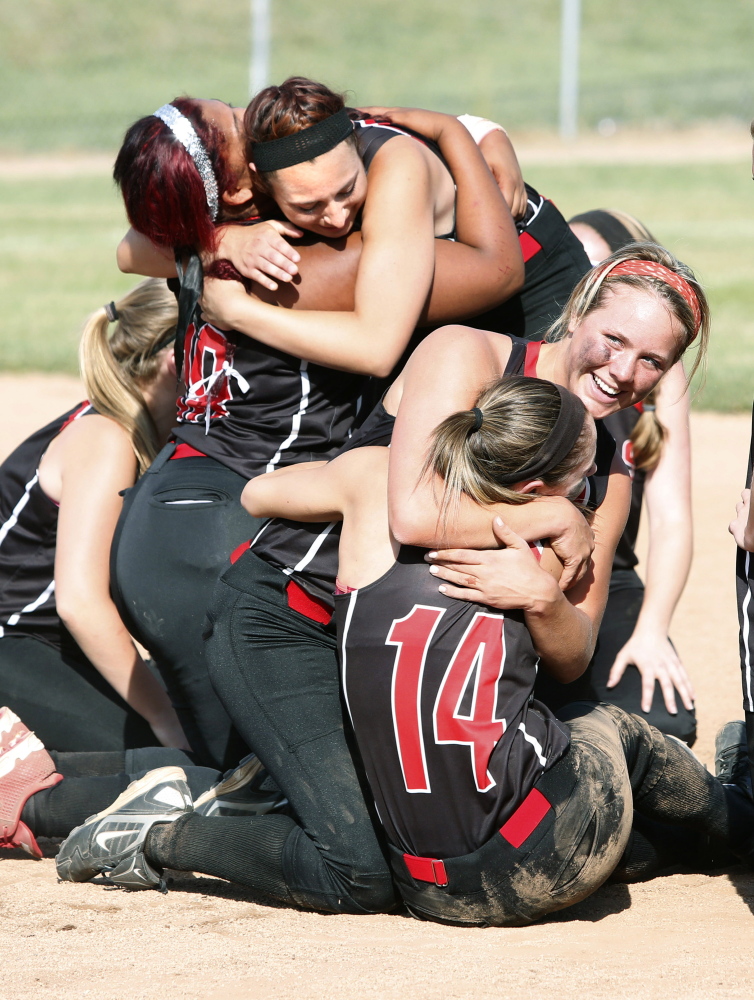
112	842
732	756
25	768
247	790
11	727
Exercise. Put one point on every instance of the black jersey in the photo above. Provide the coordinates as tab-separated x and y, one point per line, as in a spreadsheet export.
28	536
308	552
255	408
372	135
621	426
523	361
439	693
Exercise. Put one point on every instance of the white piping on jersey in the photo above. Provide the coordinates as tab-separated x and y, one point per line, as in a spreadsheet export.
13	519
297	417
349	615
36	603
226	370
264	528
537	210
745	630
388	128
312	550
535	743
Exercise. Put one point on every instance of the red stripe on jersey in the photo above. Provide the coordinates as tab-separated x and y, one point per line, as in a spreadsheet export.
529	246
183	450
426	869
536	550
76	414
526	818
532	357
239	551
306	605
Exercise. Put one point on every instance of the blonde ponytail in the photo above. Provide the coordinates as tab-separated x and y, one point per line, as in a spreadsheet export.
115	367
648	436
481	453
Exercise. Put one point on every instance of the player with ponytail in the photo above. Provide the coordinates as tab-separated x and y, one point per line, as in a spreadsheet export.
67	663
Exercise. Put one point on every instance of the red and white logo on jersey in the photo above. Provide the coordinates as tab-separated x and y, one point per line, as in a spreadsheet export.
208	373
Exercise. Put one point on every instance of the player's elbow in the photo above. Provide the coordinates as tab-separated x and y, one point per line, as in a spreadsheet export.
410	525
256	497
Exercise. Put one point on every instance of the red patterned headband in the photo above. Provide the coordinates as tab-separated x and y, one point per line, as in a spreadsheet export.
652	270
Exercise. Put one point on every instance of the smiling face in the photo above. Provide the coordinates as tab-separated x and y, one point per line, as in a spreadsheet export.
323	195
617	354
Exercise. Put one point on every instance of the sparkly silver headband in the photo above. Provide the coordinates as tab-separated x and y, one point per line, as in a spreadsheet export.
184	132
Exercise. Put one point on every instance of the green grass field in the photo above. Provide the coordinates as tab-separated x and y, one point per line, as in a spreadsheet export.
74	73
59	236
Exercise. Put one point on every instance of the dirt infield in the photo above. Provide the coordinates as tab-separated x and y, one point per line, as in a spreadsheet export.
685	937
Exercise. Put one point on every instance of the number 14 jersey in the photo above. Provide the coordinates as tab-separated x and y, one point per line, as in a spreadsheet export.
440	696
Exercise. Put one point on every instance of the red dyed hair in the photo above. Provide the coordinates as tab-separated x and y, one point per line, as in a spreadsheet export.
161	187
294	105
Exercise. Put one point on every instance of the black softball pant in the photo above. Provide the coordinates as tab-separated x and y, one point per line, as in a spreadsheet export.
616	763
179	525
92	782
619	621
276	672
64	698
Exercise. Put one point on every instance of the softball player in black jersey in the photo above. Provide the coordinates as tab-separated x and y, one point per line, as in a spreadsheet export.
249	407
505	829
635	664
261	646
67	663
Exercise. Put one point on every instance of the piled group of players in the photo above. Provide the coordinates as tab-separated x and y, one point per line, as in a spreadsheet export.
322	595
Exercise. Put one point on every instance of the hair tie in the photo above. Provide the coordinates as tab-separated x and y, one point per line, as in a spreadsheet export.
111	312
306	144
478	418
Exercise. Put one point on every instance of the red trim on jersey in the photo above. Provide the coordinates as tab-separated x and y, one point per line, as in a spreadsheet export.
515	830
239	551
536	550
529	246
639	406
186	451
306	605
532	357
526	818
426	869
76	413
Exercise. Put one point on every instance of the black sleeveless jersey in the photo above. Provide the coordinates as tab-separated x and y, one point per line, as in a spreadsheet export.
372	135
621	426
439	693
308	552
523	361
256	409
28	536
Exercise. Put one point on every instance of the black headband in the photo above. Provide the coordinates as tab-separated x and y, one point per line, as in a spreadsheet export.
559	442
277	154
